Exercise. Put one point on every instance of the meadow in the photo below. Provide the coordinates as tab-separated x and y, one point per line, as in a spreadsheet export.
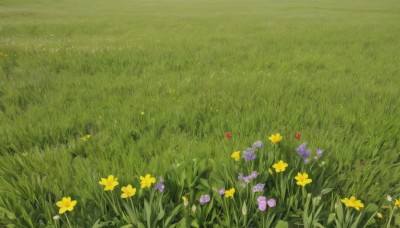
127	88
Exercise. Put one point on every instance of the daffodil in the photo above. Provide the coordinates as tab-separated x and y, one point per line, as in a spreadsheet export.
109	183
66	204
353	202
128	191
236	155
302	179
229	193
397	203
275	138
146	181
280	166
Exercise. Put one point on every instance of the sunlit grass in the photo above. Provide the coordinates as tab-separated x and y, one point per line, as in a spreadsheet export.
157	84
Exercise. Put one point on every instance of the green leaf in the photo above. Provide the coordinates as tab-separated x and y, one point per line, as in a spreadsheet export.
127	226
147	209
160	215
371	207
194	223
282	224
331	218
317	224
8	213
210	207
326	191
397	220
339	211
244	208
172	215
371	221
355	223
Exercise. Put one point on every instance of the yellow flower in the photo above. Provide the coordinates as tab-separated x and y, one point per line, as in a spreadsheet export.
397	203
142	113
109	183
302	179
66	204
280	166
346	202
146	181
128	191
379	215
353	202
85	138
275	138
236	155
230	192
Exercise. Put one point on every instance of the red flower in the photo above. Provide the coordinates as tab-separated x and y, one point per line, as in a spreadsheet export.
297	135
228	135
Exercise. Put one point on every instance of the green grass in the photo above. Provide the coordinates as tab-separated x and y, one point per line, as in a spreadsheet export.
328	69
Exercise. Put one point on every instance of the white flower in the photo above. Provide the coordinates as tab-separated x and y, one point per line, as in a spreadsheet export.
56	217
389	198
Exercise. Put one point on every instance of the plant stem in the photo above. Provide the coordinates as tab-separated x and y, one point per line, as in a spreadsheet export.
69	224
390	217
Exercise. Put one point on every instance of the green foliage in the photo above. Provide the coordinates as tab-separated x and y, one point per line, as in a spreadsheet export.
327	69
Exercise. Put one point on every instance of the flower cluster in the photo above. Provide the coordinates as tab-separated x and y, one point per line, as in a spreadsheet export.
305	153
263	203
128	191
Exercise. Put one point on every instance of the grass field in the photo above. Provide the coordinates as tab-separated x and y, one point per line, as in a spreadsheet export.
158	83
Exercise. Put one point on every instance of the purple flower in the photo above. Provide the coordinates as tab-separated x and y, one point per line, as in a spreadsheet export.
204	199
258	144
160	185
259	187
303	151
248	178
262	203
221	191
249	154
271	202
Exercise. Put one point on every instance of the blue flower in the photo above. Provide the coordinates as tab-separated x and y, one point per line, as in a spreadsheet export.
259	187
258	144
160	185
247	179
249	154
303	151
204	199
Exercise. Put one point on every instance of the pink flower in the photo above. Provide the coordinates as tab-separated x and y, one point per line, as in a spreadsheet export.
262	203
